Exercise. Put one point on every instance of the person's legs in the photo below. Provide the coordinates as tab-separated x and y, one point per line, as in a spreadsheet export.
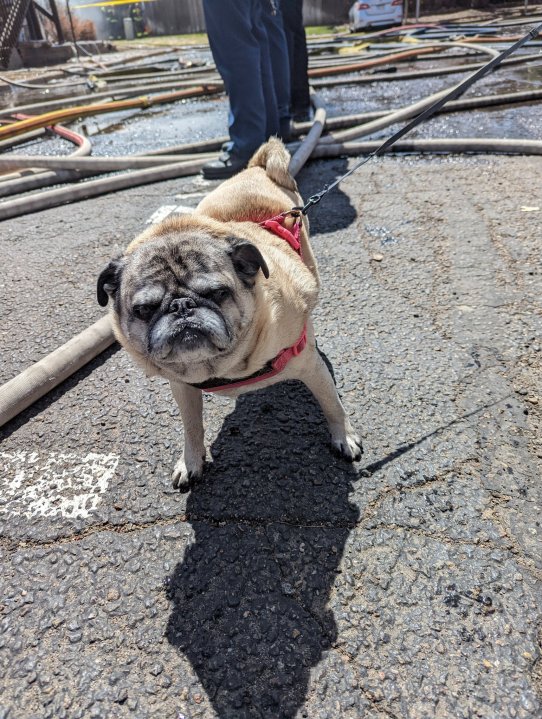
280	65
260	29
233	31
292	16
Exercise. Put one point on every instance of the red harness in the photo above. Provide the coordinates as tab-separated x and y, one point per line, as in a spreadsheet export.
274	366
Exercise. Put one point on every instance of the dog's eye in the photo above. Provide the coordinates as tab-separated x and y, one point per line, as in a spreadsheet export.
218	295
144	312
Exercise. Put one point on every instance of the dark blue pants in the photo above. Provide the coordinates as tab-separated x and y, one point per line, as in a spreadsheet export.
292	18
250	52
280	61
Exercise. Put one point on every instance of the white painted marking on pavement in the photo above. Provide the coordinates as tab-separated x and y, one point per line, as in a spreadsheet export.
190	194
184	209
160	214
166	210
57	483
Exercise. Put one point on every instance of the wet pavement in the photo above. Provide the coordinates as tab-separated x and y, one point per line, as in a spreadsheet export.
288	583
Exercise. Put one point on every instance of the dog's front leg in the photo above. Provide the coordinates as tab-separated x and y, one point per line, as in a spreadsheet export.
190	402
317	377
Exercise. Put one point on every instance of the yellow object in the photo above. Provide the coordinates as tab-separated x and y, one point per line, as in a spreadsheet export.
111	2
354	49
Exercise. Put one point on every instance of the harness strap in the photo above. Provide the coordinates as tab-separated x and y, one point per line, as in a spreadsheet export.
276	365
276	226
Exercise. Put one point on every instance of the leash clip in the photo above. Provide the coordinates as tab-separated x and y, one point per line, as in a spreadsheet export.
313	200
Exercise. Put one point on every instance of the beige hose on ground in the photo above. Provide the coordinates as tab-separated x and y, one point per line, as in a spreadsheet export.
73	113
97	164
471	103
27	137
493	145
305	149
36	178
388	59
27	387
94	188
391	118
417	74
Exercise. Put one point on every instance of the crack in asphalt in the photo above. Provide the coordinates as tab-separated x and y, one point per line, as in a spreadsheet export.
514	546
536	669
12	545
366	521
437	536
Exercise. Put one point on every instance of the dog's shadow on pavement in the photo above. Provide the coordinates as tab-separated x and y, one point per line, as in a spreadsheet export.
271	518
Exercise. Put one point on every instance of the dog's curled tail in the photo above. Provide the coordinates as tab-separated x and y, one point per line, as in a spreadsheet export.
275	159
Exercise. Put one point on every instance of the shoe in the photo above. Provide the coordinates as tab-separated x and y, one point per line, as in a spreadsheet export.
302	115
227	165
285	129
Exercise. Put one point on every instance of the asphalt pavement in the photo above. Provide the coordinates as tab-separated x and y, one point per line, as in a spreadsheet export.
288	583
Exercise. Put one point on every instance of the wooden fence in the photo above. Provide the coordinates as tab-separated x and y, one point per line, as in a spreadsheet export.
172	17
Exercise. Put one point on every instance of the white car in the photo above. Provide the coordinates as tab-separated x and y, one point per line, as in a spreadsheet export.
375	12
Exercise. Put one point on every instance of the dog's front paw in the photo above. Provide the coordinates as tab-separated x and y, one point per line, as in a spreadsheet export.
348	445
185	473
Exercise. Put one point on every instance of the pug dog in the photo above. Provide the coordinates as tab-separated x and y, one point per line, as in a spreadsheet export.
213	297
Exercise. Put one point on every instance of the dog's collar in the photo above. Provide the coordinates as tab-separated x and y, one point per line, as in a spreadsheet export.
276	365
272	368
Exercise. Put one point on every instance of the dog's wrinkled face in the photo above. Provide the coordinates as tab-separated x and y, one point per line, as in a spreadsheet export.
184	298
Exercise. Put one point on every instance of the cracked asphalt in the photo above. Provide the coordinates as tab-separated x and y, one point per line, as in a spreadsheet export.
288	583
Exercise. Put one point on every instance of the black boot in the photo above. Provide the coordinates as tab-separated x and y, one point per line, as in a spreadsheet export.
228	164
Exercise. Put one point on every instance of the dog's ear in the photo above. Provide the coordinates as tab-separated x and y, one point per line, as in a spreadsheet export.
109	280
247	260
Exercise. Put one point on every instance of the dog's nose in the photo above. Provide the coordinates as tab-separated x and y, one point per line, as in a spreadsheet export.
182	306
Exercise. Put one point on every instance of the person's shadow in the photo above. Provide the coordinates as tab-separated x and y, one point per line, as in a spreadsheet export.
271	517
335	211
